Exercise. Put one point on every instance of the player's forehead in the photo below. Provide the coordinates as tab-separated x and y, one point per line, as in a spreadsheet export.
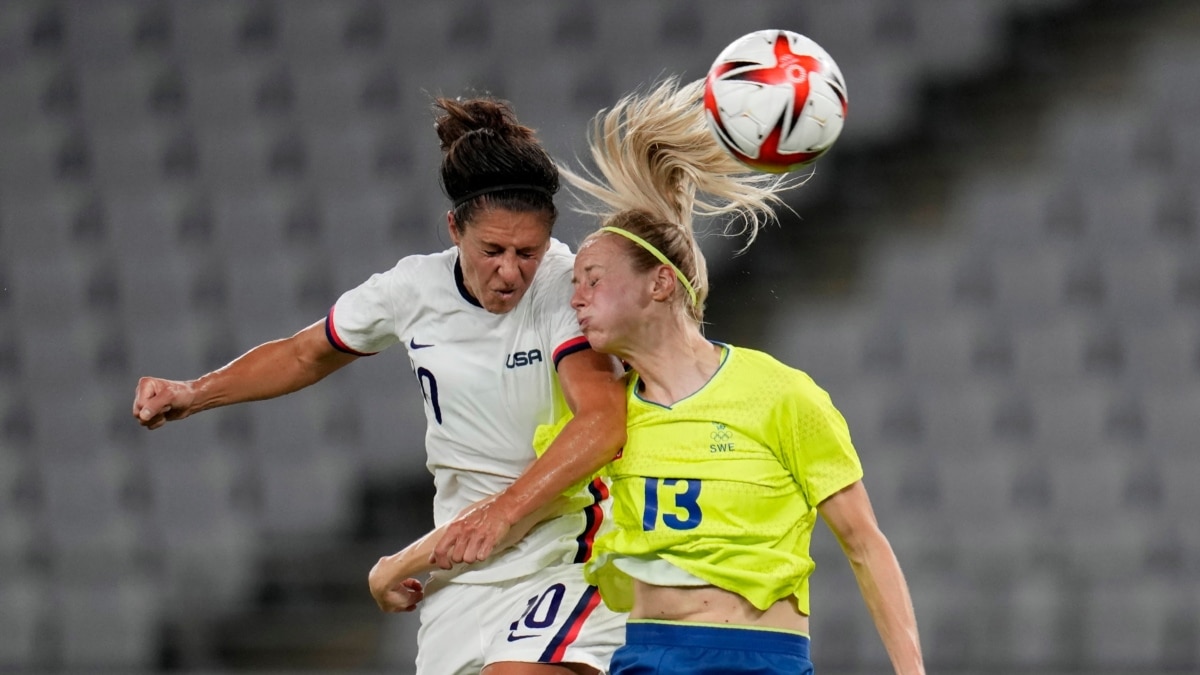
503	228
598	252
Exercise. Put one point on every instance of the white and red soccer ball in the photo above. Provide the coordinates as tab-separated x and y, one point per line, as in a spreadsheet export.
775	100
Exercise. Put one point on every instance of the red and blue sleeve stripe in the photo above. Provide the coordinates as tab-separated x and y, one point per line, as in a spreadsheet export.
336	340
594	517
575	344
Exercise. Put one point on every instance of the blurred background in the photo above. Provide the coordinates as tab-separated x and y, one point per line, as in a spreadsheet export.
996	274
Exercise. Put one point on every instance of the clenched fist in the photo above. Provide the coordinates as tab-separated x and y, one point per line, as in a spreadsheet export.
159	401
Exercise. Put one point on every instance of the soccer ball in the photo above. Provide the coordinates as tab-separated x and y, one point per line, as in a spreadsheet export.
775	100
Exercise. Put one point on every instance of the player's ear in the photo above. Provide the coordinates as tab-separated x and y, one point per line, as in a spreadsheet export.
453	227
664	283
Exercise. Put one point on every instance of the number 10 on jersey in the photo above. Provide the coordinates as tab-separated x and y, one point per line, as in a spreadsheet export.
685	492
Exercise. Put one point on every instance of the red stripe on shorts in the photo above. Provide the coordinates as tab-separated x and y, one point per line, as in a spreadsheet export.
557	649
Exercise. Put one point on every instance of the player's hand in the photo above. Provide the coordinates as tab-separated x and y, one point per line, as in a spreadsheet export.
472	536
402	597
157	401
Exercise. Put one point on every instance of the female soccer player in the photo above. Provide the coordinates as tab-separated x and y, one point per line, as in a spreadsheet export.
730	454
498	352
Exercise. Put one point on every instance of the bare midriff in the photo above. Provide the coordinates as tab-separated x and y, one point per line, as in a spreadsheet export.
712	605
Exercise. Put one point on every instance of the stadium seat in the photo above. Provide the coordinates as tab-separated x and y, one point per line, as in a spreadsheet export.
867	410
308	494
1002	210
207	32
831	346
1072	420
916	279
1127	624
1140	283
343	157
23	602
1030	285
1168	78
953	40
203	518
264	301
91	535
1170	418
1122	213
948	348
393	425
962	419
45	350
1042	609
100	33
130	157
330	94
28	161
312	33
979	487
119	97
32	88
18	536
398	641
1070	133
1087	487
109	627
252	228
234	159
1055	351
172	347
373	229
1181	485
952	617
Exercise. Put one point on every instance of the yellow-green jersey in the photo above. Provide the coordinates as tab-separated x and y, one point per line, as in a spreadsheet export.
725	483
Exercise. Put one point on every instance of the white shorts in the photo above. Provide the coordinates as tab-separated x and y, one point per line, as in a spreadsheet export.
550	617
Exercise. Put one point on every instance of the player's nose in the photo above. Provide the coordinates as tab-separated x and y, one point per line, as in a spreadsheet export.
509	270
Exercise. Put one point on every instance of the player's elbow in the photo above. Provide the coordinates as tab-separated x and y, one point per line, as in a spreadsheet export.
616	433
610	437
861	542
603	423
376	577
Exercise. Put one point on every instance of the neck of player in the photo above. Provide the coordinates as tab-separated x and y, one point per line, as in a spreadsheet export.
673	362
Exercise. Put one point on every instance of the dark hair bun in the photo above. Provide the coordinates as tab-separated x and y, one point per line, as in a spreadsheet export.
484	147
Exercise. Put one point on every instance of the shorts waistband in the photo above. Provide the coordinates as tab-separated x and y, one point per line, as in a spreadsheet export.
678	634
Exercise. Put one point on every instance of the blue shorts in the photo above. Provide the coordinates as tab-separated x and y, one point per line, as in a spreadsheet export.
659	648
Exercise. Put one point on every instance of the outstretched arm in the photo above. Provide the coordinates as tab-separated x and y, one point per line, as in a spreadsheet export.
849	514
393	579
594	387
269	370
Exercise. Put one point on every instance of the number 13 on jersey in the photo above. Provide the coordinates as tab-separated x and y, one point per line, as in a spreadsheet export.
683	514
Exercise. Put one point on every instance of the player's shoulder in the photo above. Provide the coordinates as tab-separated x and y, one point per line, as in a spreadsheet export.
419	270
765	369
553	279
747	359
559	259
418	263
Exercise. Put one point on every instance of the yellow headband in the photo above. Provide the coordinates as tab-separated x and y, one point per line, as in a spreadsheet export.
657	254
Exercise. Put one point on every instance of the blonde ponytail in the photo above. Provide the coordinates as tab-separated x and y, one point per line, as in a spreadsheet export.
657	167
653	152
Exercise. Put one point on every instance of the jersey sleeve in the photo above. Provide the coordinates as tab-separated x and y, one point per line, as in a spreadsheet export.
363	320
816	444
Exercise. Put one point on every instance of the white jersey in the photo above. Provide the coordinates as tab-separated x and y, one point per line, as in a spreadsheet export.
488	382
